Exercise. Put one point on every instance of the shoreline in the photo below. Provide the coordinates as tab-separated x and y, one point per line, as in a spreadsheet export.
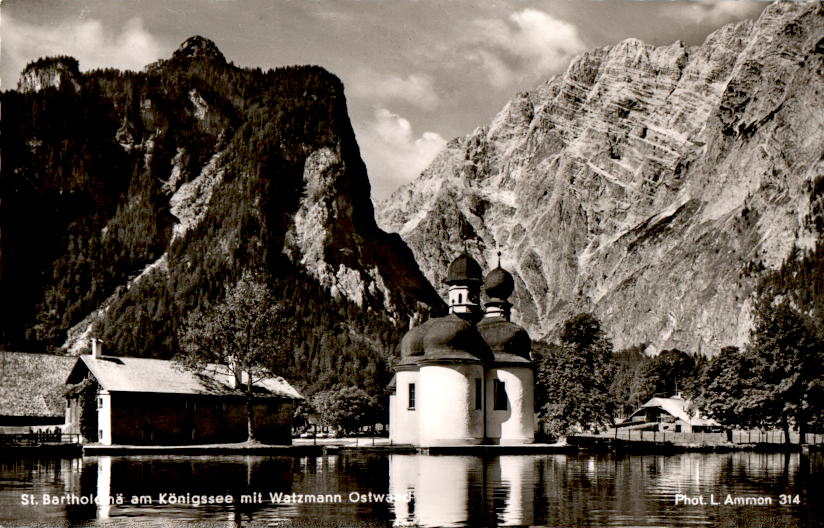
575	444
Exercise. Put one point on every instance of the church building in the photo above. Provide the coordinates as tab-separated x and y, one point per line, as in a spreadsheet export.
466	378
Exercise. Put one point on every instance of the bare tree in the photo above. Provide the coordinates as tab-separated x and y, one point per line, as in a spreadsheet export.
247	333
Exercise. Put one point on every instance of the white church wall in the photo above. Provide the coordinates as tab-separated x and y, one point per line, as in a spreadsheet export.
447	405
515	424
404	419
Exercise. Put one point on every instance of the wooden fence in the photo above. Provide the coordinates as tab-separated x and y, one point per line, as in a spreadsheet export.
38	438
738	437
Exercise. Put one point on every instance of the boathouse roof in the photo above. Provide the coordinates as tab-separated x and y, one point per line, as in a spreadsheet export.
33	384
130	374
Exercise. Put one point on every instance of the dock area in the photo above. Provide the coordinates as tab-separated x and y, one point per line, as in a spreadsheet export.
304	447
495	450
326	448
210	449
57	450
642	447
339	446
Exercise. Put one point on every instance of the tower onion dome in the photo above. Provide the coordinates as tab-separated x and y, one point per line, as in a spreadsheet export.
499	284
451	339
508	341
464	269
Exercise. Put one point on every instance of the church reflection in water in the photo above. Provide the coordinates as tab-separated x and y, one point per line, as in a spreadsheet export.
463	490
552	489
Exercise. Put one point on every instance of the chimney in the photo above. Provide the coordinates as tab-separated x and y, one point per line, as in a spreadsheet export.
97	348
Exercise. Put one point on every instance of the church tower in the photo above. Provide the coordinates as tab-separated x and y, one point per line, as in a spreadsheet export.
498	286
510	378
464	277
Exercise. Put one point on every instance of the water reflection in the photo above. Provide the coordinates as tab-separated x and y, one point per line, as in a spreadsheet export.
601	490
555	490
462	490
104	487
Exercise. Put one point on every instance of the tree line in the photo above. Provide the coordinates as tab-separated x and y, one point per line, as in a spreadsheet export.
774	381
582	383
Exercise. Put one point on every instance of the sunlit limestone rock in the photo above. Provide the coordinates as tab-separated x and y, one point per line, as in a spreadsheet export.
52	72
644	183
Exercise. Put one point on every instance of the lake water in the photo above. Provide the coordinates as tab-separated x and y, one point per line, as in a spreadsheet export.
548	490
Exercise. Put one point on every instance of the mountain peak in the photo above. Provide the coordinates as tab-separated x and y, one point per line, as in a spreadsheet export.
616	186
198	47
53	72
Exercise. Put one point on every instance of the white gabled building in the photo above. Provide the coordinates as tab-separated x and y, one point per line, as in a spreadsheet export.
672	415
466	378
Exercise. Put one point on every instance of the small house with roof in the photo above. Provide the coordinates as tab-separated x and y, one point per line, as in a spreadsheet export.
671	415
32	388
128	400
466	378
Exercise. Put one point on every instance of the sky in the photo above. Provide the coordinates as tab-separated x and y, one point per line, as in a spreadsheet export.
416	72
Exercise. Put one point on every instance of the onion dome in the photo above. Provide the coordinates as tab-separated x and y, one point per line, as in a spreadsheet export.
412	342
464	269
452	339
499	284
508	341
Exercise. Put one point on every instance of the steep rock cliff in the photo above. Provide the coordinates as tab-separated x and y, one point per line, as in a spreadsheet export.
54	72
650	185
131	199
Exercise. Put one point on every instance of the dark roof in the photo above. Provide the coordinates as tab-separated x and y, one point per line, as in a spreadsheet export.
447	338
130	374
451	338
412	342
33	384
499	284
507	340
462	269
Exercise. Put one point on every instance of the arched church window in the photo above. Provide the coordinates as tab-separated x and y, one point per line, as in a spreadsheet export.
460	298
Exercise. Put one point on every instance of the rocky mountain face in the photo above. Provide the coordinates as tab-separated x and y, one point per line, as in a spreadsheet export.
650	185
54	72
130	199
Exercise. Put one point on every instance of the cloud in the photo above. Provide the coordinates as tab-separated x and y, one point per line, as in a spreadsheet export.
416	89
392	154
528	42
718	12
93	45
